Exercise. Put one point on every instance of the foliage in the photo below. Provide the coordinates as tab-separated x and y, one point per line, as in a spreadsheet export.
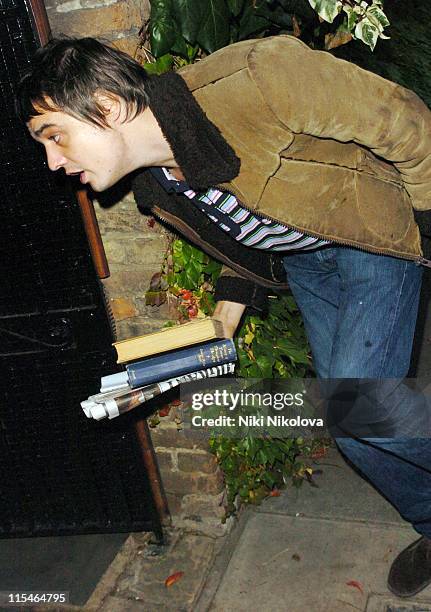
187	281
365	20
257	467
183	27
276	346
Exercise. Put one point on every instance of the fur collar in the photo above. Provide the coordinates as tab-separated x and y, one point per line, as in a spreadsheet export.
204	156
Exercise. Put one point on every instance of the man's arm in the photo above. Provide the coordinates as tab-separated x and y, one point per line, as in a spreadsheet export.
234	294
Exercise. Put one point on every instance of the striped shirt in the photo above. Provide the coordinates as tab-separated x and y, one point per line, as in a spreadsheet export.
245	226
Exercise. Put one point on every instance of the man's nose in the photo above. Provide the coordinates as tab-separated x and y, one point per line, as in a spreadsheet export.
55	159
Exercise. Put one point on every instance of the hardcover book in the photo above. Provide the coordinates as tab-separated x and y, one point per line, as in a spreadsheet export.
188	360
195	332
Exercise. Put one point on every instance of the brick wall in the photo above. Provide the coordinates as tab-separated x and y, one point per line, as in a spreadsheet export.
118	21
135	250
191	478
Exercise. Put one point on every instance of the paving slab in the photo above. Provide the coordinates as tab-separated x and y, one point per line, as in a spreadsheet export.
323	548
297	564
339	492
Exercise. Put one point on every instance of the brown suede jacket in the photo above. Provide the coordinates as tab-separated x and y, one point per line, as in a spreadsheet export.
299	136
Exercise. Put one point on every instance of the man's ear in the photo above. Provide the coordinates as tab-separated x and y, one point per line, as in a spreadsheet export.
111	105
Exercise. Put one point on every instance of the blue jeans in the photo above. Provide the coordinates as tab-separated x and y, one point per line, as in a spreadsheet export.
359	312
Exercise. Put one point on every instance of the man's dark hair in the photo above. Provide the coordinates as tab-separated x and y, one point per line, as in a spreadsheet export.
66	73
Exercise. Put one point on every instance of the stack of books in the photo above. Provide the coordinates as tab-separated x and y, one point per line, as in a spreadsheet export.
208	354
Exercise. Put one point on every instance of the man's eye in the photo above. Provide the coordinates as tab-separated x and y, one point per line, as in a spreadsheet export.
55	138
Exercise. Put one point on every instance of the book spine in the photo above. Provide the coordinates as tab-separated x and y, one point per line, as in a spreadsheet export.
181	362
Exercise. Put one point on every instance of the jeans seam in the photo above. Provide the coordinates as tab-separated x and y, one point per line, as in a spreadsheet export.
396	313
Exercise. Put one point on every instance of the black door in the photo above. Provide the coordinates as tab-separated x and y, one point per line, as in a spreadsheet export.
60	473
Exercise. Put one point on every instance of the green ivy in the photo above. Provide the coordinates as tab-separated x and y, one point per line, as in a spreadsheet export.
276	346
177	25
257	467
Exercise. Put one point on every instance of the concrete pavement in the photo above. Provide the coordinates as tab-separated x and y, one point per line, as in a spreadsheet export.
323	548
320	549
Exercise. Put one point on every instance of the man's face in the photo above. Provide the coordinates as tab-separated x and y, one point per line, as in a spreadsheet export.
98	156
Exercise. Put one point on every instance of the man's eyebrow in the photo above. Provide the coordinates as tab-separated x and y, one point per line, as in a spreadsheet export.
44	127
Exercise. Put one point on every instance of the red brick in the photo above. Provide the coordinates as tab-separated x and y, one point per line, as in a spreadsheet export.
122	308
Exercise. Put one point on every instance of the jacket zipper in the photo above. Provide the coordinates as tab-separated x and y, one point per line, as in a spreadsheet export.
184	229
417	258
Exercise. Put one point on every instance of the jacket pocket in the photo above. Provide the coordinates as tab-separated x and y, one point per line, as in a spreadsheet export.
343	154
343	205
387	212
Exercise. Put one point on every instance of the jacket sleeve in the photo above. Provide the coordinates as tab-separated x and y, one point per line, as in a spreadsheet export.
232	287
312	92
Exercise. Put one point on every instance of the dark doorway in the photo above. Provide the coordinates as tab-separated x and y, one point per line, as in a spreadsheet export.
60	473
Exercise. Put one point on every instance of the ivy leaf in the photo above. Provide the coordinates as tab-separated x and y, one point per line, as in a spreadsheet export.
253	371
352	17
197	268
251	22
293	351
275	15
326	9
193	277
187	250
262	456
214	31
367	32
188	15
161	65
212	267
235	6
163	31
377	17
265	364
248	338
180	46
286	344
199	255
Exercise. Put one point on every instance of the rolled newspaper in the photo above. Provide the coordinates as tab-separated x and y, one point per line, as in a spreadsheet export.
112	404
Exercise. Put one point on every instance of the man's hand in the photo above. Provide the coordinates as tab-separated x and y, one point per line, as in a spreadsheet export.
230	314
